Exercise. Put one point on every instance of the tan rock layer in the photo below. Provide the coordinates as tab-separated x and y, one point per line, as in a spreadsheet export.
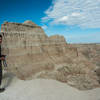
32	54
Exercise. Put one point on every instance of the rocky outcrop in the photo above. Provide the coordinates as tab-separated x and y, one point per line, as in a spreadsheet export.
32	54
30	50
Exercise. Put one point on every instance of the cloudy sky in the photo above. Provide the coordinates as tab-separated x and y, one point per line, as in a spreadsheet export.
77	20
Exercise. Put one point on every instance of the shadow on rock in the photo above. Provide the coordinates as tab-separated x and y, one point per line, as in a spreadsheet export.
7	79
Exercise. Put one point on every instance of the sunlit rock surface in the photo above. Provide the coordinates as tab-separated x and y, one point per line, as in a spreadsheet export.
32	54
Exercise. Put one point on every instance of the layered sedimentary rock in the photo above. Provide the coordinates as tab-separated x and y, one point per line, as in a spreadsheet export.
29	49
32	54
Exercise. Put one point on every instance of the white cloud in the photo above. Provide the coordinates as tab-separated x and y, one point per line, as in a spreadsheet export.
63	19
76	14
83	13
44	27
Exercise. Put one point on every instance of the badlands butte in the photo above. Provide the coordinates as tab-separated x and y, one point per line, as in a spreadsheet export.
32	54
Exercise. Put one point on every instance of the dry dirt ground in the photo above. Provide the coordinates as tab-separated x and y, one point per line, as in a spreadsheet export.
43	89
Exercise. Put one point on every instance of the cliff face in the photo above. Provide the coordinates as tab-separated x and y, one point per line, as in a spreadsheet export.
29	49
32	54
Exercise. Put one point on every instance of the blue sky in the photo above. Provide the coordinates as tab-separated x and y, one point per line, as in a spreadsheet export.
77	20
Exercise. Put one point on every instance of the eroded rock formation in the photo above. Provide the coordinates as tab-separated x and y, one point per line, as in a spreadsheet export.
32	54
